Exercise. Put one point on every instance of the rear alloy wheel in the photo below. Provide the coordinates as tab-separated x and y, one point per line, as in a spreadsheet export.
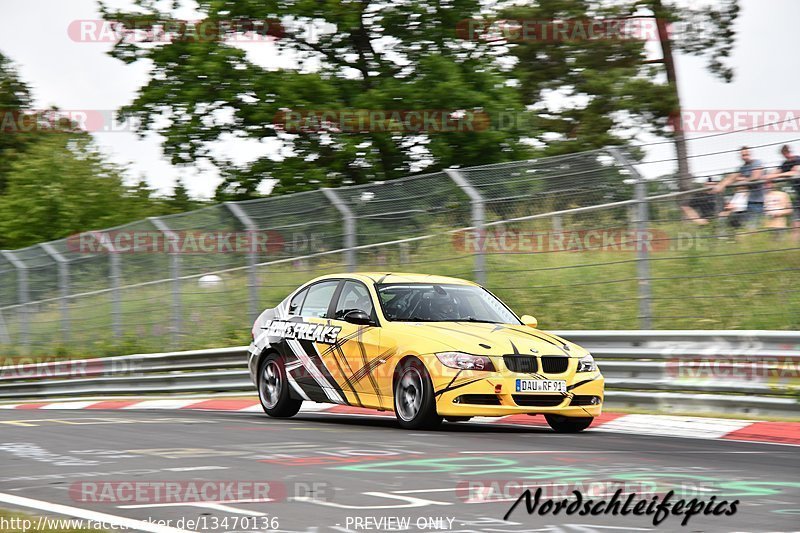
414	401
273	389
568	424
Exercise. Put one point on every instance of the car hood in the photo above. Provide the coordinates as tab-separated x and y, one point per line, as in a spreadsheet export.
493	339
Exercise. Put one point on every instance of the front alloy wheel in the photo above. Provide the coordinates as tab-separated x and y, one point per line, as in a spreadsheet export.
414	402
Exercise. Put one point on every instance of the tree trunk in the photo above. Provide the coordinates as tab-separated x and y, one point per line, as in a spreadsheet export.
684	178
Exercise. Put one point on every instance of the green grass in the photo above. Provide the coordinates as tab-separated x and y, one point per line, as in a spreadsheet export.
749	283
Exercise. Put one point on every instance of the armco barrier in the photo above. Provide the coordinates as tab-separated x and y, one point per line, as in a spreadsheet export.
734	372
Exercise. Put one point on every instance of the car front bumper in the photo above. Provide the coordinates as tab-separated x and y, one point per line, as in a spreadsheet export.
496	396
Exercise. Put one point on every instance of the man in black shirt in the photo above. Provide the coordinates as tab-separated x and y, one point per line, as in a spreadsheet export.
790	168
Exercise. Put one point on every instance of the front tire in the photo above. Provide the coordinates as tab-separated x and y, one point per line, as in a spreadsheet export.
414	400
273	388
565	424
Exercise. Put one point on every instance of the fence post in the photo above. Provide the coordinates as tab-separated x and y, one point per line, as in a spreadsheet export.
349	227
252	259
558	224
116	278
22	295
642	252
63	285
175	274
478	221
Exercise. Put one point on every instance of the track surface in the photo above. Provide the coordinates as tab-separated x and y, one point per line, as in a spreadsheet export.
346	472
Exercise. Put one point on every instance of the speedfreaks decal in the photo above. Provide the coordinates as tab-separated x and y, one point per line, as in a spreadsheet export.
303	331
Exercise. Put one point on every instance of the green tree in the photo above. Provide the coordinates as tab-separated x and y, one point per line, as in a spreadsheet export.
351	55
363	55
608	89
61	187
53	180
15	98
587	93
180	201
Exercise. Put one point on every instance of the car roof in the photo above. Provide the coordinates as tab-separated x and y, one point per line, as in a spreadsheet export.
397	277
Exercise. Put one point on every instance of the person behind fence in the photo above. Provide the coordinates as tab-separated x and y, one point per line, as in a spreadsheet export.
777	206
790	168
703	205
736	209
751	172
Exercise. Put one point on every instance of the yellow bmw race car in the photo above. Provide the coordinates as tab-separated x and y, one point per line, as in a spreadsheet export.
427	347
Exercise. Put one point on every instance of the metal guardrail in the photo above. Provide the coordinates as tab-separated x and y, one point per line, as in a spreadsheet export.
732	372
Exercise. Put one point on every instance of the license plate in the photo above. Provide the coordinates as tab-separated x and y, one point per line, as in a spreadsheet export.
541	385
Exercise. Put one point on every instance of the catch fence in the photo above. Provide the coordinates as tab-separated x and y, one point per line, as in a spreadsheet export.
581	241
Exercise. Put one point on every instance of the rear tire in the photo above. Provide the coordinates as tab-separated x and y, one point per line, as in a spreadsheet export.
273	388
566	424
414	400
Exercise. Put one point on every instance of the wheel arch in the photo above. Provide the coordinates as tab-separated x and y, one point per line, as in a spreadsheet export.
400	365
259	358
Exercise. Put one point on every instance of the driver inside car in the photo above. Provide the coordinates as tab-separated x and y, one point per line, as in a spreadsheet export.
443	307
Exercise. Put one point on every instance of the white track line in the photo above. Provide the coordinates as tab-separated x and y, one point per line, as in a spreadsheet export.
161	404
252	409
674	426
121	521
313	407
67	405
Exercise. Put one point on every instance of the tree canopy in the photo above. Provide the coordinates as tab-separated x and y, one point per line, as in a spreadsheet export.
55	182
366	55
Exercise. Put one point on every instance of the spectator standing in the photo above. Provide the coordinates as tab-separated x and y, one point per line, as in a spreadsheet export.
751	172
790	168
777	206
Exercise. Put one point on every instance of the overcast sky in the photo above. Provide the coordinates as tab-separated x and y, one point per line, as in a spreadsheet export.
81	76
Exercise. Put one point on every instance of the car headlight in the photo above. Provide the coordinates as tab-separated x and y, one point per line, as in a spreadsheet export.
587	364
465	361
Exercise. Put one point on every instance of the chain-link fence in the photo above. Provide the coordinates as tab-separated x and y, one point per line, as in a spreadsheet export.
581	241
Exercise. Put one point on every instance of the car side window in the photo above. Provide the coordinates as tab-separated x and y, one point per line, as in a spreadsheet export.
354	297
318	299
297	302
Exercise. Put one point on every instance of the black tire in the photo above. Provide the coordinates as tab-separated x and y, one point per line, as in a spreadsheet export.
567	424
273	388
457	418
414	401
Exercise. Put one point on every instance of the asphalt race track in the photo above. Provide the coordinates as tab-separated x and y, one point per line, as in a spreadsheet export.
360	473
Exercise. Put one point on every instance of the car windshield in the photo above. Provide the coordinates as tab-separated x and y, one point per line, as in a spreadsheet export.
426	302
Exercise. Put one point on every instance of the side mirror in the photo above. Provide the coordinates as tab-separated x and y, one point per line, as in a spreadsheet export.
529	321
358	317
